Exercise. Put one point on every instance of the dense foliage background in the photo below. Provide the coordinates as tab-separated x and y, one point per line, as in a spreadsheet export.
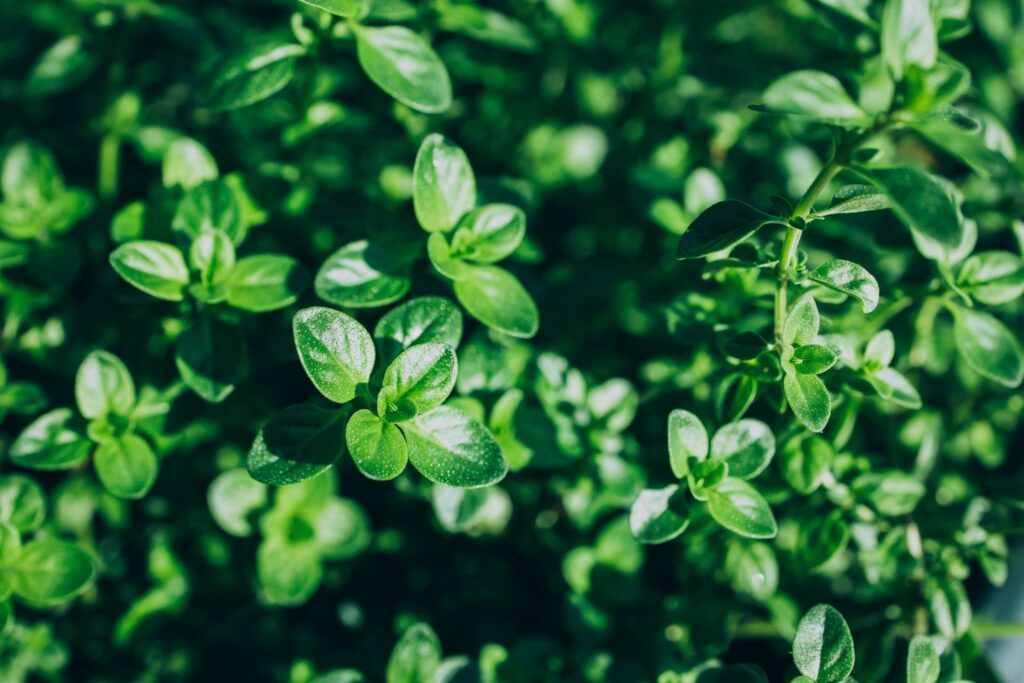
231	129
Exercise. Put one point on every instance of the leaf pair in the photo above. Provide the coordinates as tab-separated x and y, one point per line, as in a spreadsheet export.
802	361
125	463
716	472
444	444
444	197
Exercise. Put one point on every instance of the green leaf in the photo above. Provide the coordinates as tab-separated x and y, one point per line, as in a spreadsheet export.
814	359
403	65
805	462
814	94
747	346
489	233
968	146
343	8
448	447
687	438
51	572
416	657
949	606
213	255
992	277
488	26
22	503
265	282
738	507
187	164
823	646
289	571
336	351
419	379
211	206
49	443
233	497
362	275
212	357
659	515
158	269
419	321
126	466
920	201
103	385
891	492
752	568
809	400
747	446
377	447
496	298
908	36
988	347
251	75
802	321
443	184
893	386
856	199
849	278
923	665
822	538
880	350
440	254
720	226
297	443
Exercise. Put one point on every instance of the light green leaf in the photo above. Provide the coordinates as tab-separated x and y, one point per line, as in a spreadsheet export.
343	8
968	146
809	400
880	350
489	233
265	282
747	446
988	346
856	199
738	507
254	74
187	164
495	297
362	275
289	571
336	351
908	36
814	94
211	206
449	447
802	321
849	278
404	66
923	665
920	201
103	385
213	255
377	447
233	497
814	359
720	226
126	466
949	606
49	571
659	515
22	503
892	492
419	321
212	357
992	277
443	184
419	379
823	646
416	657
805	462
893	386
687	438
49	443
157	268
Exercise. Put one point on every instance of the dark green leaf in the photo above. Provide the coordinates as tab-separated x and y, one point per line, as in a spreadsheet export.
988	346
449	447
746	446
737	506
49	571
265	282
212	357
659	515
919	201
50	443
823	646
252	75
404	66
849	278
362	275
720	226
813	94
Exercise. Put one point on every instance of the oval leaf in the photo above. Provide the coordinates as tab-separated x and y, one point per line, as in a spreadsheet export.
447	446
336	351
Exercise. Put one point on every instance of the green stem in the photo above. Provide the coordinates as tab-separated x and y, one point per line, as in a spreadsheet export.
988	630
110	161
792	239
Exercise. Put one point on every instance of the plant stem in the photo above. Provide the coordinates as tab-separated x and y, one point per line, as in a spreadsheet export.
110	161
792	238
